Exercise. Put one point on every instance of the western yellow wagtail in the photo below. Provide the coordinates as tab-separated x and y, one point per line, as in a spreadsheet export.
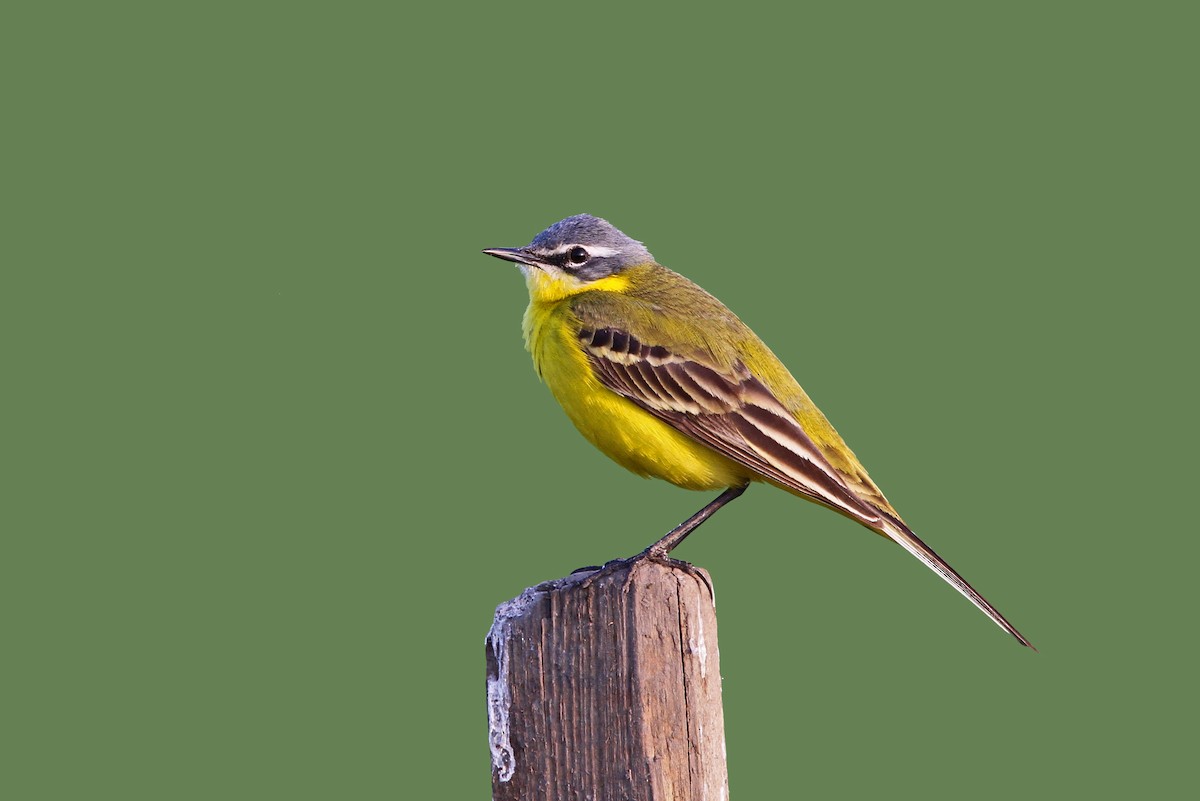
664	379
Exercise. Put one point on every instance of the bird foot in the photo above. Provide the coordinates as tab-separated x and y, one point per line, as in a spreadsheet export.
651	554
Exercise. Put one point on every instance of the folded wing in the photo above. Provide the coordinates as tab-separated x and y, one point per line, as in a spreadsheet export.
731	412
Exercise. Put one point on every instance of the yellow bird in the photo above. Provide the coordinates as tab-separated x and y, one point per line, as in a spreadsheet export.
665	380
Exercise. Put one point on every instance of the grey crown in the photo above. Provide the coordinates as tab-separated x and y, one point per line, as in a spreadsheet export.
588	231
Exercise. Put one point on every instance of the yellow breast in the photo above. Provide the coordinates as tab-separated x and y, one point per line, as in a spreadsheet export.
627	434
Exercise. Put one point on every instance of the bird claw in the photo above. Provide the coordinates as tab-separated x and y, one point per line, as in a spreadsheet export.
651	554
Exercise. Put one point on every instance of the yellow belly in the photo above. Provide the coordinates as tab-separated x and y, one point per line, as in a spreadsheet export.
623	431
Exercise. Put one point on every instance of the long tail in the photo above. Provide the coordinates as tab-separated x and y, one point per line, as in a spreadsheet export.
902	536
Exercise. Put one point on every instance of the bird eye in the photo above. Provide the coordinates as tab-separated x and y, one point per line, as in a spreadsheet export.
578	255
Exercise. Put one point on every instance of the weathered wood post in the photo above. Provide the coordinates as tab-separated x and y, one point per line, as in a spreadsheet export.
606	685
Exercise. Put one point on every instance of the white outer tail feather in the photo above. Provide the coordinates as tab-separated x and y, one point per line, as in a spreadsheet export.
902	536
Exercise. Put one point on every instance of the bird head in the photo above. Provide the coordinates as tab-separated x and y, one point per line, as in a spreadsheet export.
573	255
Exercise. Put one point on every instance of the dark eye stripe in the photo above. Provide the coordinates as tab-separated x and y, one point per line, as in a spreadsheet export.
563	261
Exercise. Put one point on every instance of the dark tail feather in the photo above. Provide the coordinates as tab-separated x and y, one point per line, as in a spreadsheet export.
902	536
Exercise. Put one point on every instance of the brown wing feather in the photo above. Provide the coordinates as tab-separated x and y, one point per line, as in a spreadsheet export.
734	414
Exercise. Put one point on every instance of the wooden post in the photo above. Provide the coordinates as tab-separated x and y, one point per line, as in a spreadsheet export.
606	686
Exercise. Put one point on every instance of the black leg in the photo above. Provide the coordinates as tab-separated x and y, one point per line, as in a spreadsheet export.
678	534
659	551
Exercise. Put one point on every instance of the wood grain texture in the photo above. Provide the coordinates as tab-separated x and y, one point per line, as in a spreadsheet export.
606	686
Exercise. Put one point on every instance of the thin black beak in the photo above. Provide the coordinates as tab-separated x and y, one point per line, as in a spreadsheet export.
519	255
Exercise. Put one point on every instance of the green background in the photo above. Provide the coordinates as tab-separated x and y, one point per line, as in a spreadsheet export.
273	452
